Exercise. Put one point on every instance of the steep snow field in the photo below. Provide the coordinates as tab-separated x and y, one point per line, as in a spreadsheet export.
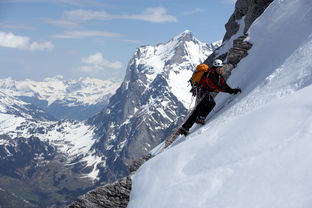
256	152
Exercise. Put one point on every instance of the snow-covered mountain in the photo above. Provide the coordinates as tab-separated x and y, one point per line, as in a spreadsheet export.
71	99
45	158
256	151
14	106
151	101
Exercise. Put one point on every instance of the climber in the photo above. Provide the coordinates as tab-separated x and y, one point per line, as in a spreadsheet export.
212	81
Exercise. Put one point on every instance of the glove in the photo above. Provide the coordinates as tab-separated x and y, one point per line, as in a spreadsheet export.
236	91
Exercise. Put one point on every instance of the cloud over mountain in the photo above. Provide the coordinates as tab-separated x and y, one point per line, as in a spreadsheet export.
97	62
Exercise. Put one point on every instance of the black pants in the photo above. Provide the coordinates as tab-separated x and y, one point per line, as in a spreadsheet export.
202	109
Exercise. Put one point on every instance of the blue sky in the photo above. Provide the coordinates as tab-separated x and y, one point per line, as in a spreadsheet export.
96	38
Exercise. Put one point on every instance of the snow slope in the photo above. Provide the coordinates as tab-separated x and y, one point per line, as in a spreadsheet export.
257	151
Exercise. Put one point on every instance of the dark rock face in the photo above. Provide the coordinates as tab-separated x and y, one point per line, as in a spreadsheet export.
115	195
250	10
239	50
137	163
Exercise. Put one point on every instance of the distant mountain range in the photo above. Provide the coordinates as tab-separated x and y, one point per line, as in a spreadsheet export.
63	99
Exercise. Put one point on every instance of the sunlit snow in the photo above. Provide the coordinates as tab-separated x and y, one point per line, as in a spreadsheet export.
256	152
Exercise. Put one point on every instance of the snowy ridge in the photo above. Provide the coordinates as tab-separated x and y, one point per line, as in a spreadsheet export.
16	107
7	102
255	152
86	91
175	60
73	139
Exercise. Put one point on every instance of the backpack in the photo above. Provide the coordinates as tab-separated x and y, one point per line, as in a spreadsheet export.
200	70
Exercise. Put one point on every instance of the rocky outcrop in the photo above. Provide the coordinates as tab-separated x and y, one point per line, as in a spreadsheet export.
239	50
137	163
115	195
250	9
246	11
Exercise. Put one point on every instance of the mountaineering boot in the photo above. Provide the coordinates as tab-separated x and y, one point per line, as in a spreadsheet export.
200	120
183	131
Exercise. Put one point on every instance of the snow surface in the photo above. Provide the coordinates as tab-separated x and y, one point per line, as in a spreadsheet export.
256	152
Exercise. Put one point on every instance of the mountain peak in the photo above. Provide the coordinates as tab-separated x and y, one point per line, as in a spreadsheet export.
187	35
186	32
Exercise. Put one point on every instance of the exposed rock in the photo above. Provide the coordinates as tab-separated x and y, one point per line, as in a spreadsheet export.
137	163
250	10
239	50
115	195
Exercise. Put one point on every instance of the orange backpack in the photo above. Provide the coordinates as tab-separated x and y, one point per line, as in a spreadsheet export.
200	70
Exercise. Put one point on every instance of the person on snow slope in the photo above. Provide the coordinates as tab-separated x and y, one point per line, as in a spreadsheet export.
211	81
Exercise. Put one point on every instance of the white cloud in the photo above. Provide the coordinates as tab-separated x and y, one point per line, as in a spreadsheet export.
76	18
156	15
9	40
96	62
75	34
35	46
